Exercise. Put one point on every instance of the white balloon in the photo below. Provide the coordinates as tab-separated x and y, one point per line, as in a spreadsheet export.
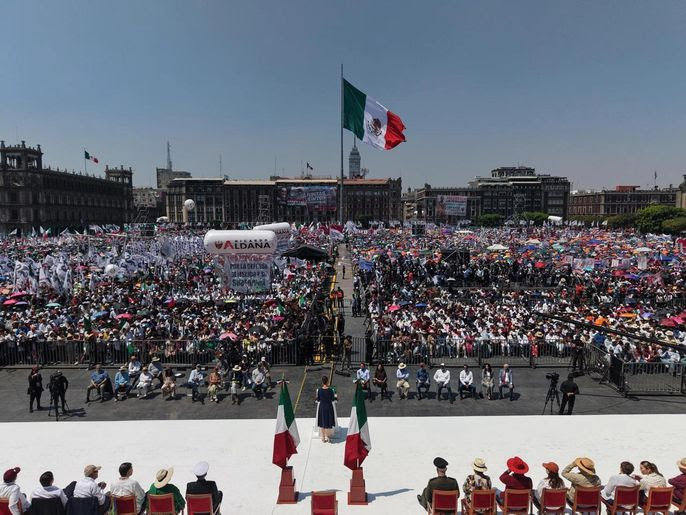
189	204
240	242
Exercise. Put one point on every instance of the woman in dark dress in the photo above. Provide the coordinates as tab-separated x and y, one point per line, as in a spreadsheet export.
381	380
325	414
35	387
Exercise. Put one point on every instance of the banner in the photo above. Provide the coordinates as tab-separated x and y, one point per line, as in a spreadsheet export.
247	274
315	198
451	205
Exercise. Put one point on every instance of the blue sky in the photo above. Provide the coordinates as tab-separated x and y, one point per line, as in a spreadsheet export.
594	90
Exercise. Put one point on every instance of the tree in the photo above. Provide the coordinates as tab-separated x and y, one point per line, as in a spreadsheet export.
674	225
538	217
650	219
490	220
622	221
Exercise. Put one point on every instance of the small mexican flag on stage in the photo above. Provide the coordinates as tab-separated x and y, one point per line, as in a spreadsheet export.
286	437
89	157
357	443
370	121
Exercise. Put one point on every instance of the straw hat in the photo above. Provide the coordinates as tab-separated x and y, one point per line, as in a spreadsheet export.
585	465
681	464
236	368
402	366
163	477
479	465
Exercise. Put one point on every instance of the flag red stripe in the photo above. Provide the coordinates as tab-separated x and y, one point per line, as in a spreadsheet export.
284	448
355	451
394	131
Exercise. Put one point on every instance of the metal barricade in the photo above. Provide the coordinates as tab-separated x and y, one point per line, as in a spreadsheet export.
655	378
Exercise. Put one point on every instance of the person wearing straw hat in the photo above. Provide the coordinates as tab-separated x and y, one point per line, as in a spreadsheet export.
679	482
402	375
476	481
585	476
236	381
18	503
162	486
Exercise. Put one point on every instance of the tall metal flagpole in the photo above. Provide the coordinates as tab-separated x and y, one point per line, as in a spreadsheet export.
340	200
85	162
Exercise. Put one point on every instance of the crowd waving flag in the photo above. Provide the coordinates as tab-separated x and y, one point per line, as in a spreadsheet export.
369	120
286	437
357	443
89	157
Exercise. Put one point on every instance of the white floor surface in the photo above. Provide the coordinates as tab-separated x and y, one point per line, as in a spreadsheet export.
239	453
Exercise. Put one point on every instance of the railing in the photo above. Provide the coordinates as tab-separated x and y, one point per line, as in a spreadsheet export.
652	378
175	352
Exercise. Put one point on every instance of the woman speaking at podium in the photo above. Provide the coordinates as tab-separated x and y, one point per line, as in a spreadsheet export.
326	410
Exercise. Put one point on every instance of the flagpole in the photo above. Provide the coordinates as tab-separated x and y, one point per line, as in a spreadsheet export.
340	200
85	161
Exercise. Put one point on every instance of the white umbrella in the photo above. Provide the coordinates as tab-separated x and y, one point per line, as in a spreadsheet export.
533	241
643	249
497	247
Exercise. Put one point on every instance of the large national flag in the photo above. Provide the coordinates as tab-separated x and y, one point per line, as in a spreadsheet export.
370	121
357	443
86	155
286	437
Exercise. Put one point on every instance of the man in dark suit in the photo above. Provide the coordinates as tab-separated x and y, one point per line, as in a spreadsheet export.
440	482
202	486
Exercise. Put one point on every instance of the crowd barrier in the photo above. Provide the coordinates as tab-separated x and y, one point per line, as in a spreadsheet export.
173	352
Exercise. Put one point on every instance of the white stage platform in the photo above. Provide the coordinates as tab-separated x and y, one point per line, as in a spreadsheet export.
239	453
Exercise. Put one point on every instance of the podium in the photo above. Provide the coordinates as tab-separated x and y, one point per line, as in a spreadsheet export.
287	493
357	494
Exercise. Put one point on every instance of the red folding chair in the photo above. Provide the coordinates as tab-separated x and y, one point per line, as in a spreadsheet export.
515	501
586	499
124	505
161	504
199	503
659	500
679	506
324	503
626	500
5	506
443	502
482	501
553	500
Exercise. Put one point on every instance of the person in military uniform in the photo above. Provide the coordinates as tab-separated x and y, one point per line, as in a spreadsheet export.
440	482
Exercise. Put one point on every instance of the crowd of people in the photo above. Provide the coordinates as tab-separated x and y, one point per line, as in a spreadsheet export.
581	472
89	495
458	293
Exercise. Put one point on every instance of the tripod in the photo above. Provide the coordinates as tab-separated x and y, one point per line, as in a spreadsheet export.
54	399
552	395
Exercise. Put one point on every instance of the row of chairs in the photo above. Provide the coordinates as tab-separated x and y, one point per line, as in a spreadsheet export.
586	500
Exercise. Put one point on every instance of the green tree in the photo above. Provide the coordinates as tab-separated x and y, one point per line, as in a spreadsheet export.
490	220
650	219
674	225
622	221
537	216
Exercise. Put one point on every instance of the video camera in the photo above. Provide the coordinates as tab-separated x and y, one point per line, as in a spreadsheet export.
553	377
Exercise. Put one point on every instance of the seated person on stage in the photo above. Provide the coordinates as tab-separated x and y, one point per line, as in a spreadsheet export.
423	381
442	378
195	381
121	383
467	382
87	487
215	381
440	482
362	376
679	482
100	381
586	476
203	486
18	503
381	380
402	375
126	485
624	478
266	367
259	381
169	384
46	490
552	481
162	486
144	383
514	477
505	380
476	481
135	368
651	478
155	370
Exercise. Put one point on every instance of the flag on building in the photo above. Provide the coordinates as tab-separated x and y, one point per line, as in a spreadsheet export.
86	155
286	437
370	121
357	443
309	166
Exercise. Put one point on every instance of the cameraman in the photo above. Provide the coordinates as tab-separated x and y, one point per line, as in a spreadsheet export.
58	389
569	391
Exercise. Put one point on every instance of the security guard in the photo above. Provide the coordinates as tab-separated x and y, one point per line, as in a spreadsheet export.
441	482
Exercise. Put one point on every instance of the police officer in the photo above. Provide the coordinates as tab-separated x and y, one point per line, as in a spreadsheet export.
440	482
58	389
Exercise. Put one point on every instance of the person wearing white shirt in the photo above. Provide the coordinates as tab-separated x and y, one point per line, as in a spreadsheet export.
466	382
18	503
442	378
362	376
505	380
196	380
87	487
402	375
622	479
144	383
47	490
126	485
134	368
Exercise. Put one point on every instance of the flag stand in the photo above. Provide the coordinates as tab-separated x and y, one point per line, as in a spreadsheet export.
357	494
287	493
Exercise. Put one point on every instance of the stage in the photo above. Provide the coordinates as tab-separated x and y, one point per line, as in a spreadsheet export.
397	469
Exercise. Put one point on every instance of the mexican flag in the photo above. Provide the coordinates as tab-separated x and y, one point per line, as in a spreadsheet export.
286	438
86	155
370	121
357	443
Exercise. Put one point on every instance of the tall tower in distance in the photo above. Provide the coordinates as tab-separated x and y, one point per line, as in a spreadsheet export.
354	162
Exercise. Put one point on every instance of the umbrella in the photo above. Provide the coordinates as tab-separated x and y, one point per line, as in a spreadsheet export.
278	318
226	335
533	241
497	247
393	307
10	302
539	264
21	303
54	305
124	316
19	294
100	314
420	305
668	322
643	249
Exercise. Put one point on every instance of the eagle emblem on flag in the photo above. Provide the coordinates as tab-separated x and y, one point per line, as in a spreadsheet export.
374	126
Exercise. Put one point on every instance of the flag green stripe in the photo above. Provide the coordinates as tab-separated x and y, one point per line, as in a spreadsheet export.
353	109
285	401
360	408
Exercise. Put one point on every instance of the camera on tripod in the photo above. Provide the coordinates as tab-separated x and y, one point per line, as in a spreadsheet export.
553	377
